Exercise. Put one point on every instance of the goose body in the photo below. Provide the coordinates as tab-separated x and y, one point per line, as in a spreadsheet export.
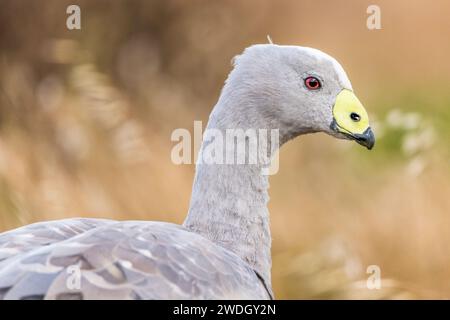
120	260
222	250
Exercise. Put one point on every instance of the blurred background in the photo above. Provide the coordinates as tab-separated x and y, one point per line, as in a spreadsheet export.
86	117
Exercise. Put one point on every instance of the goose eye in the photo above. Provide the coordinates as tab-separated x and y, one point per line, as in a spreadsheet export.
312	83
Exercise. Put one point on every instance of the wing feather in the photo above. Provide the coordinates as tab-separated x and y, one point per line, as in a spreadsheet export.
123	260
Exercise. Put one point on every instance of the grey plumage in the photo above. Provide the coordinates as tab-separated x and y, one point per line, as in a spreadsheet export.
120	260
222	251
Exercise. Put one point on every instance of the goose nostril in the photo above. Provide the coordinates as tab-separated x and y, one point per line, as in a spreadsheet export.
355	117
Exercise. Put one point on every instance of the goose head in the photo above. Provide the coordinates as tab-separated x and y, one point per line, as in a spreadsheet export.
298	90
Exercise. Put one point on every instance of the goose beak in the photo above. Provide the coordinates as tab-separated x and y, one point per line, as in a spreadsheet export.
366	139
351	120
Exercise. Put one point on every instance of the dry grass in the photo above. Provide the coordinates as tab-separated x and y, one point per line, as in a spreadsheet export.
86	117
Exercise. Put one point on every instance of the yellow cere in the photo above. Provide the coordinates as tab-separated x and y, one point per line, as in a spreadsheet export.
346	103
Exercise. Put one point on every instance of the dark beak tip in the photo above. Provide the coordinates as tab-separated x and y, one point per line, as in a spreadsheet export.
369	139
366	139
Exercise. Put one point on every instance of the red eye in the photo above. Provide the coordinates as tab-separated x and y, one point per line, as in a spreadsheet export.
312	83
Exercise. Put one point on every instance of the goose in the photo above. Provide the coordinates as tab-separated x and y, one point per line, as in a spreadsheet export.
222	250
